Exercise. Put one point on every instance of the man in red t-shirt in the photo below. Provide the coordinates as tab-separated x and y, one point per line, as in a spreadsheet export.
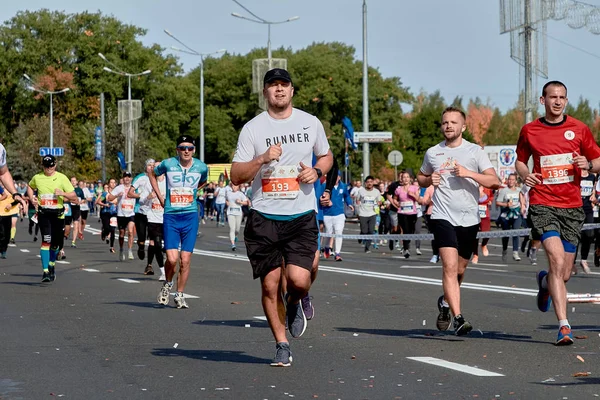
561	147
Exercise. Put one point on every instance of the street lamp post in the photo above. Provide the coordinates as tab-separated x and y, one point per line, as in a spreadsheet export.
263	21
116	70
202	57
35	87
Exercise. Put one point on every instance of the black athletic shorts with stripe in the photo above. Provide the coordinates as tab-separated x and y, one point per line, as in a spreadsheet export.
270	243
461	238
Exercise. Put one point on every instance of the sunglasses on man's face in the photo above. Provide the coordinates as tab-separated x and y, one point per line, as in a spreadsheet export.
185	148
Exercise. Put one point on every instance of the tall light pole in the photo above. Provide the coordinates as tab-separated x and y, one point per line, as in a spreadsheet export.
35	87
129	139
263	21
366	153
202	56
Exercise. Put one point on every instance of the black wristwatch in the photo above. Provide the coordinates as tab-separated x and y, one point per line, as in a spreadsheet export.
590	166
319	172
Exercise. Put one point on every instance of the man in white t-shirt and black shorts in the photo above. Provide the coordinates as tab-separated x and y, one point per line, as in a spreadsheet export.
455	168
275	151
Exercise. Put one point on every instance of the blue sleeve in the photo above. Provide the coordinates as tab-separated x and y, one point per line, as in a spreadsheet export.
160	169
1	190
347	197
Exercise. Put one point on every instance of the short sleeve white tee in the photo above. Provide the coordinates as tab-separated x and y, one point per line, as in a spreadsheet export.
143	188
367	201
456	199
275	189
156	212
126	205
221	193
235	208
86	194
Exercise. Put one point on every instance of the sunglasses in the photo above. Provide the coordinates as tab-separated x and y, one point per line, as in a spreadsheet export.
185	148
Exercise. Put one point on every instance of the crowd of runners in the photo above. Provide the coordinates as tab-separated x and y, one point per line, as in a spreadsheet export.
285	184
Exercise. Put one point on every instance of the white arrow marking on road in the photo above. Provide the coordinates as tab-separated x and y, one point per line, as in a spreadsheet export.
24	250
128	280
187	296
262	318
455	366
90	270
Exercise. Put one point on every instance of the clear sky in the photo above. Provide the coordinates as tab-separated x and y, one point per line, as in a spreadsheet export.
453	46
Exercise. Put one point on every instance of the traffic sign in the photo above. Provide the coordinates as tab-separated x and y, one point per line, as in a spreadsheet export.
54	151
373	137
395	158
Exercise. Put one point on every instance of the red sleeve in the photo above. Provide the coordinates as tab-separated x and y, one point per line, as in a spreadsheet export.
523	150
589	148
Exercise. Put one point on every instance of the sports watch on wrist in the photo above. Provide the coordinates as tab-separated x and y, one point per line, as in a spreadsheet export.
319	172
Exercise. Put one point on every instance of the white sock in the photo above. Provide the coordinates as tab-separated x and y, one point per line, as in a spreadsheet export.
162	270
563	322
445	304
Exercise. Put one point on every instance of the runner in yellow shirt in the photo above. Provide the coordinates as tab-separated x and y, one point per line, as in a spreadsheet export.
52	188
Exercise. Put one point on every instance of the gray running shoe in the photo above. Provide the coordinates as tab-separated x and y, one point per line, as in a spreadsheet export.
283	355
461	327
444	318
296	320
180	300
309	309
504	253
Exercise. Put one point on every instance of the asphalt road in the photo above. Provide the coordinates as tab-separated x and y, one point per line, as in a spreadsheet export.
98	333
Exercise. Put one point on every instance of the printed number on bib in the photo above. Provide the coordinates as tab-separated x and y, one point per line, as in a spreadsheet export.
482	211
406	206
156	205
48	201
113	221
234	211
280	182
557	168
181	197
127	204
587	188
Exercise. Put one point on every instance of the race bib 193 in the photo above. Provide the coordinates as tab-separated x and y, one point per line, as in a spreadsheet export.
280	182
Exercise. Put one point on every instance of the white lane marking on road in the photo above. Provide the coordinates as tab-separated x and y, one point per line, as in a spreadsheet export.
62	262
223	237
24	250
381	275
420	266
128	280
491	265
455	366
262	318
90	269
12	245
187	296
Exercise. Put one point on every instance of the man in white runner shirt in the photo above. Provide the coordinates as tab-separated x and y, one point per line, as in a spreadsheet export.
84	207
155	217
125	213
140	186
275	152
456	168
235	199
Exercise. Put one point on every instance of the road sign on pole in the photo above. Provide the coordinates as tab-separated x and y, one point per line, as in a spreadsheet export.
373	137
395	158
52	151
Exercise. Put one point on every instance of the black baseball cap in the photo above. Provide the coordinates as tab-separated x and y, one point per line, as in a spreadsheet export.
49	161
186	139
277	74
126	174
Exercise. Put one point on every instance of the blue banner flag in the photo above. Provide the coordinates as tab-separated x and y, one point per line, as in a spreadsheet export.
349	131
98	140
121	159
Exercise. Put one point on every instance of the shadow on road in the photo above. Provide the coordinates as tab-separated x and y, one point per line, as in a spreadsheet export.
211	355
429	334
580	381
143	304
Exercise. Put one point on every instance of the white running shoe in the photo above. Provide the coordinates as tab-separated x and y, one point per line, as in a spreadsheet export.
180	300
516	256
418	251
163	278
434	259
130	255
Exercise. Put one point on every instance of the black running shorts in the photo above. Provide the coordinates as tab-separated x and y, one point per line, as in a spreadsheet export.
270	243
75	213
461	238
122	222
